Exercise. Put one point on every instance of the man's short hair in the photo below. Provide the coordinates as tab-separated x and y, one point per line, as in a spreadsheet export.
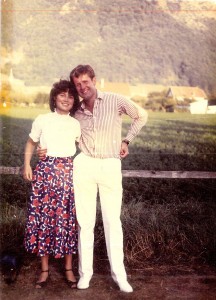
80	70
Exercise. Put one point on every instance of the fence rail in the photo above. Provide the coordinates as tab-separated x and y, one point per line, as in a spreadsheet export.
168	174
135	173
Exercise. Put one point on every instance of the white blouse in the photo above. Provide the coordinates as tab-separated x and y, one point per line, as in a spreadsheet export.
57	133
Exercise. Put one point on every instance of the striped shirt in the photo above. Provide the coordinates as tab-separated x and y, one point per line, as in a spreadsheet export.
101	130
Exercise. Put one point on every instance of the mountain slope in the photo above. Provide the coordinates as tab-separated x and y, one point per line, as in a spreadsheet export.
158	41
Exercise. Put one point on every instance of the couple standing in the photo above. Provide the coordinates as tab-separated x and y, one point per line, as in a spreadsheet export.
51	225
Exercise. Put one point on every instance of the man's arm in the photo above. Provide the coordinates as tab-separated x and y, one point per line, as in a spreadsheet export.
138	115
41	153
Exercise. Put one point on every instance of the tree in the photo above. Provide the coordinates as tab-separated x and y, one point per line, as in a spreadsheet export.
41	98
169	104
5	92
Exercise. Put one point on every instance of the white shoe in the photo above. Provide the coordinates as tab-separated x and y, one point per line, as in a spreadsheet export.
125	287
83	283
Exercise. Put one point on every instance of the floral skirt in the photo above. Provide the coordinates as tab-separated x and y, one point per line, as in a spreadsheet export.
51	227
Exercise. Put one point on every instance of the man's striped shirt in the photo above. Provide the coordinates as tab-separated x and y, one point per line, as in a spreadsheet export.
101	130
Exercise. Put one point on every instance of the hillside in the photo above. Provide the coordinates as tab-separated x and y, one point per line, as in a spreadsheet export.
154	41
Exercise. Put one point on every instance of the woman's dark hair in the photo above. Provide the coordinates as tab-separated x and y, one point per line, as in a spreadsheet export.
80	70
58	88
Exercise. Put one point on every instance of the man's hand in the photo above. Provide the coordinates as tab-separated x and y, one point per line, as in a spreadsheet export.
124	150
41	153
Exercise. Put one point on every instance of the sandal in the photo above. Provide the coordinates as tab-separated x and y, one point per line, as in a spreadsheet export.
41	284
71	284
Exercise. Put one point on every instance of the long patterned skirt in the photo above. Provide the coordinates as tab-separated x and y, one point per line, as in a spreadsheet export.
51	227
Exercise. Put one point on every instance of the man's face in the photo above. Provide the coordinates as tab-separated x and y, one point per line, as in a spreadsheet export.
85	86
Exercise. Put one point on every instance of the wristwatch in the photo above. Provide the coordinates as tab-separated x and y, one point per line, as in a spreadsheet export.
126	142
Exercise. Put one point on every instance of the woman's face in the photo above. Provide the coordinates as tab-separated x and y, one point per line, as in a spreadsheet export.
64	103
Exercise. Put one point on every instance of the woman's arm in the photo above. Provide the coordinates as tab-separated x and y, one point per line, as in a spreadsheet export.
29	150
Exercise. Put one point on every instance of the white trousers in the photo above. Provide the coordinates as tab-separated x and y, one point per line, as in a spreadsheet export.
90	176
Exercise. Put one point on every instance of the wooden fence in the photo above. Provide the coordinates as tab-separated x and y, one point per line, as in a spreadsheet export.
135	173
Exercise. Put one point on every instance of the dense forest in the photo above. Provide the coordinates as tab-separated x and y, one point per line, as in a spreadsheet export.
138	41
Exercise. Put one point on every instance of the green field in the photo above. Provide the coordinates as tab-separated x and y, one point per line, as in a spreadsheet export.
168	141
164	220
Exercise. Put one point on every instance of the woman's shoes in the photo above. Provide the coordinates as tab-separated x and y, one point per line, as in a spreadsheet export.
71	284
41	284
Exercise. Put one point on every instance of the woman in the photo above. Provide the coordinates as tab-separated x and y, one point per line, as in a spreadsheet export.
51	222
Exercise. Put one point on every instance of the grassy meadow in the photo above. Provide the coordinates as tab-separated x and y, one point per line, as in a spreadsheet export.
164	220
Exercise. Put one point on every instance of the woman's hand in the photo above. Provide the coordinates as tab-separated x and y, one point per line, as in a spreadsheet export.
27	172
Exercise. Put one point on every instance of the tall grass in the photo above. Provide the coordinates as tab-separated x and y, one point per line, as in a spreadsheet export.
12	222
168	221
164	220
169	233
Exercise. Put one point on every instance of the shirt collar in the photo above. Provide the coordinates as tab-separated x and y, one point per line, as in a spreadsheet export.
100	96
61	115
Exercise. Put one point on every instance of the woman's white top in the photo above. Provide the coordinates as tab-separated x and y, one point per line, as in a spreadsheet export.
57	133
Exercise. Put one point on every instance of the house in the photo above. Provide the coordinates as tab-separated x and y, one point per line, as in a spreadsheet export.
199	107
211	109
114	87
195	95
180	93
130	91
144	90
211	106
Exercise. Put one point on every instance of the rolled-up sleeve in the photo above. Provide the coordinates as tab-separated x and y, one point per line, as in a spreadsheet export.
136	113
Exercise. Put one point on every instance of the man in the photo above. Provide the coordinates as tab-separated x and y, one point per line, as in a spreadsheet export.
98	169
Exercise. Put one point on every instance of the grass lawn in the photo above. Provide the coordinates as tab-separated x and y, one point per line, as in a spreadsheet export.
164	220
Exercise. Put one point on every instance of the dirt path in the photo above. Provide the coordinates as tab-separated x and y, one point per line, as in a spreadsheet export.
150	283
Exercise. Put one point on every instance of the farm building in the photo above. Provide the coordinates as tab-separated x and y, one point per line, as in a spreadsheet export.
144	90
211	109
186	92
195	95
199	107
211	106
114	87
129	91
